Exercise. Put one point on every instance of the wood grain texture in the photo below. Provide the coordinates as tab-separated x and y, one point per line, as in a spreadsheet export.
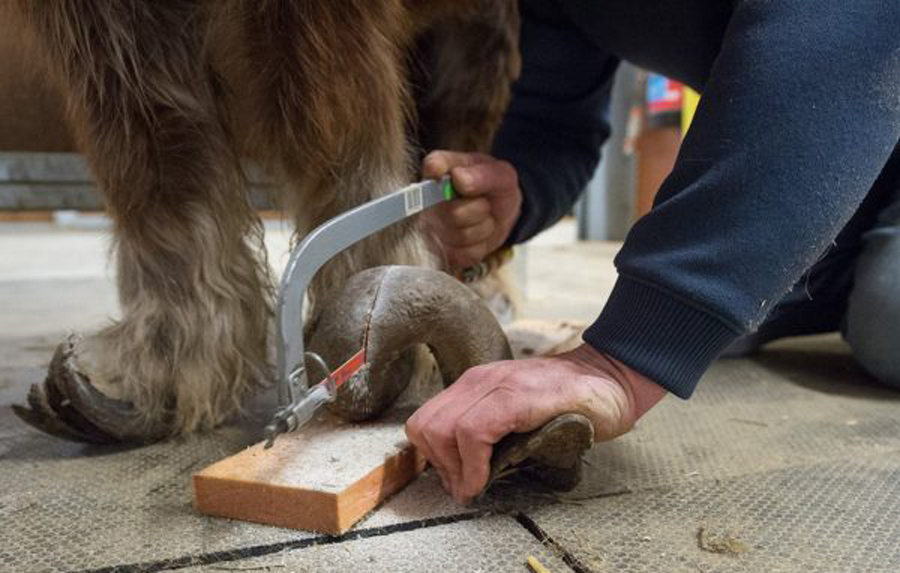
323	479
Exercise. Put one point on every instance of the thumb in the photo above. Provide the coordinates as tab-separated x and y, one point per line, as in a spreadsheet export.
439	163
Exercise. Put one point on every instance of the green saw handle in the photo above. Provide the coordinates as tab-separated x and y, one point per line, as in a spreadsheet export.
449	191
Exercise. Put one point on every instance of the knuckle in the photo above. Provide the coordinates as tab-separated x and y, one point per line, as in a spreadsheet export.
482	206
463	214
466	158
466	179
483	374
414	429
464	237
480	370
470	212
473	374
440	437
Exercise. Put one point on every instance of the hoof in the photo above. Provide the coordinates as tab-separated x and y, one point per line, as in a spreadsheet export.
550	455
68	406
389	310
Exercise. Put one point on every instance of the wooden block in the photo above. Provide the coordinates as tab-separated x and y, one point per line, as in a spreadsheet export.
324	478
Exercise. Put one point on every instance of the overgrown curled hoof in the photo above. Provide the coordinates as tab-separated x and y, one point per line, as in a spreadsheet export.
68	406
388	311
550	455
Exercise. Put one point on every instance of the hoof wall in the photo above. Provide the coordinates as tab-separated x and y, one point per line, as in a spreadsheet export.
550	455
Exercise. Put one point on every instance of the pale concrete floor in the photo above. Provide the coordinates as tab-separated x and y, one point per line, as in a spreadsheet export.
786	462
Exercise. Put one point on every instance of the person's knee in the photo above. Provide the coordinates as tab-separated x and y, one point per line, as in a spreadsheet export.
873	315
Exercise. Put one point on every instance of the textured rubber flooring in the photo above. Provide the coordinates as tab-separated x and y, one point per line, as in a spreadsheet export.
799	402
789	461
67	506
841	515
487	544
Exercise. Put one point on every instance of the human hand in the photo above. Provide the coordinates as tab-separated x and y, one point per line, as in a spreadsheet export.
469	228
456	430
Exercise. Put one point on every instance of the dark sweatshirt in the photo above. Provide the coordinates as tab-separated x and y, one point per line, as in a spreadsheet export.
800	113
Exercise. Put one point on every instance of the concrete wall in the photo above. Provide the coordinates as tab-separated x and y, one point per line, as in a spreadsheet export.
31	111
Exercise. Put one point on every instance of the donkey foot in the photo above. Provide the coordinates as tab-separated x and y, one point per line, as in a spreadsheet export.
69	406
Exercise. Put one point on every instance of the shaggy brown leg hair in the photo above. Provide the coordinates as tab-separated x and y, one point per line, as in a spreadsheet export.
145	104
327	88
465	65
326	84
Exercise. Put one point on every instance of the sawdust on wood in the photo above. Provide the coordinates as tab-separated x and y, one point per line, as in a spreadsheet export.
723	543
329	455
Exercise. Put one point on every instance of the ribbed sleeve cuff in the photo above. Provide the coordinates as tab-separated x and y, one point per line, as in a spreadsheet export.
665	338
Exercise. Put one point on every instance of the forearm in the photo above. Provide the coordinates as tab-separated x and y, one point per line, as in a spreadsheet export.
555	125
797	119
553	171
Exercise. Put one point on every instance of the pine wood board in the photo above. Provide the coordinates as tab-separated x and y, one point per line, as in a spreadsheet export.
324	479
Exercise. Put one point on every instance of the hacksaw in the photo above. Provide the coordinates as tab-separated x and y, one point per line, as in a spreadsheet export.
298	401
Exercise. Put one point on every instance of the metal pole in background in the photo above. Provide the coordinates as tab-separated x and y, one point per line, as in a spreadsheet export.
605	211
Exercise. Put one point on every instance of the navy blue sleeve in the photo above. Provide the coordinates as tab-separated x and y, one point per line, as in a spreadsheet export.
798	117
556	123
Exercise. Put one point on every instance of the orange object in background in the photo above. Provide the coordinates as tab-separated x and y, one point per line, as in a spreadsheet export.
659	139
656	150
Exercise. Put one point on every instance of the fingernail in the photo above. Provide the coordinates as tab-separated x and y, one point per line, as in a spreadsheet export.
463	178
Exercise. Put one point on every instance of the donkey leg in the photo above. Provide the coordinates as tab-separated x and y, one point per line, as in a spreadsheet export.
328	90
148	112
468	60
